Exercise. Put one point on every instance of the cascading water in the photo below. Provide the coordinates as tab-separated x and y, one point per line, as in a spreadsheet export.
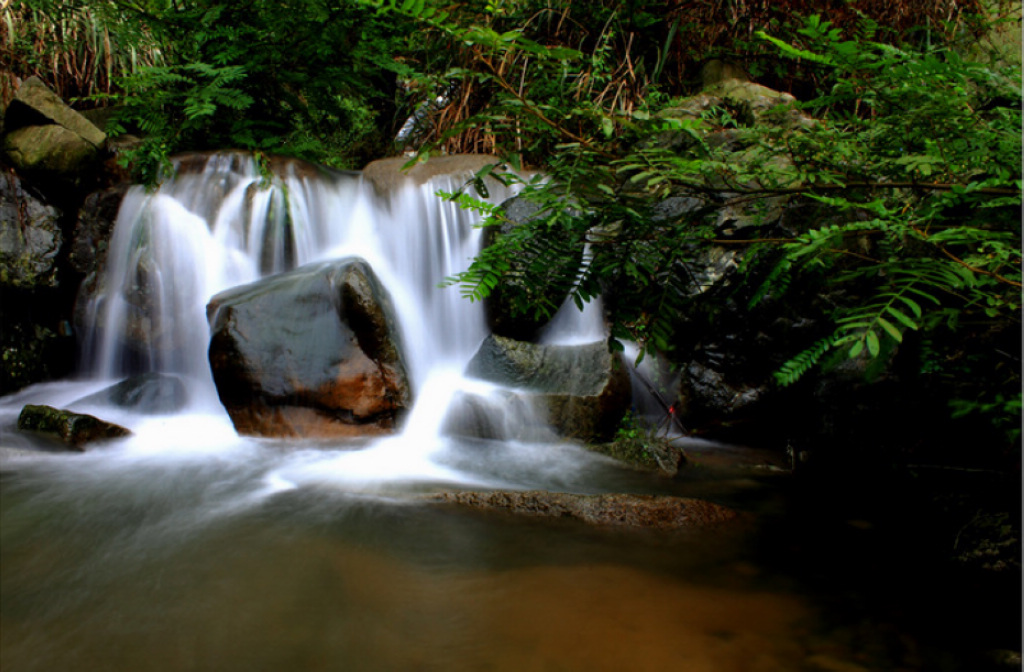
222	222
574	327
226	225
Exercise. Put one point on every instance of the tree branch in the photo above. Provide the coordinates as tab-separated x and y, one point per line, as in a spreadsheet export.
531	109
920	186
1012	283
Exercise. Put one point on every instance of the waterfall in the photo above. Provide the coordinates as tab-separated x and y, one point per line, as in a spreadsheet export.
221	222
573	326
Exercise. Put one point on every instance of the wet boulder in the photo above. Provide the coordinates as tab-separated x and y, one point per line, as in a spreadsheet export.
582	391
73	429
310	352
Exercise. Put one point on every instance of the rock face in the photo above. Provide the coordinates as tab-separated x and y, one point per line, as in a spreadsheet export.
35	340
30	237
90	244
311	352
74	429
95	224
620	510
583	390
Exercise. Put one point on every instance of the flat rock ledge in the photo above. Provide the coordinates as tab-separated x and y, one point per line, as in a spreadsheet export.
651	512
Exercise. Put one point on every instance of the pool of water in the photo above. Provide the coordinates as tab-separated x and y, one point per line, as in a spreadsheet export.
276	556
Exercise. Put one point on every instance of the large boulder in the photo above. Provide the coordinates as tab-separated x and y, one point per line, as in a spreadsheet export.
311	352
30	236
582	390
73	429
47	138
49	150
34	104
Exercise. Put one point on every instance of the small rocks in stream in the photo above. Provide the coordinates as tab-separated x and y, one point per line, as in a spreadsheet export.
73	429
622	510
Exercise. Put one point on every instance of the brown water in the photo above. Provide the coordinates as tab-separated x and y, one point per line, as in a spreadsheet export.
136	565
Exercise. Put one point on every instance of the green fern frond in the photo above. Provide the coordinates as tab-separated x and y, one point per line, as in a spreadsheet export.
893	310
795	368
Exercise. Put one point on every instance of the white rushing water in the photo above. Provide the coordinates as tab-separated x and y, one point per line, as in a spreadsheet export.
221	224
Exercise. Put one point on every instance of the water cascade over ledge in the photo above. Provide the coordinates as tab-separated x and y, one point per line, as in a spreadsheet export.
222	222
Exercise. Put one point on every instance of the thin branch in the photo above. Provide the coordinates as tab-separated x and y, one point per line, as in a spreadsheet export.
531	109
1012	283
989	191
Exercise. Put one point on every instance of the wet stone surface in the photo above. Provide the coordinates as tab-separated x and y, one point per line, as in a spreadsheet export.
621	510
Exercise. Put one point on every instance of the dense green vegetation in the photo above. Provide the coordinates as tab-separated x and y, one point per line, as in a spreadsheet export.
903	144
908	156
317	80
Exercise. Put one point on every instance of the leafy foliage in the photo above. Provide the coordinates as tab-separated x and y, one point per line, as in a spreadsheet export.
935	141
911	148
78	49
270	77
318	80
913	152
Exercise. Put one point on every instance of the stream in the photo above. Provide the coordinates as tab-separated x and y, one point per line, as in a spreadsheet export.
188	547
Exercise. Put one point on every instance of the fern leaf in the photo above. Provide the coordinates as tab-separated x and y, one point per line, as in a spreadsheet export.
795	368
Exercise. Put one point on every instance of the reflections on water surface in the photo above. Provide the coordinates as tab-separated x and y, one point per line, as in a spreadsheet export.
110	563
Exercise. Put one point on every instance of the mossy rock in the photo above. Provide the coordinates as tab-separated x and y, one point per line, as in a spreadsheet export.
73	429
30	236
656	455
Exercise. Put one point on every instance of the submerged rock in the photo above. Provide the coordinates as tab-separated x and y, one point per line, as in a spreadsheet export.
74	429
502	415
147	393
621	510
582	391
311	352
